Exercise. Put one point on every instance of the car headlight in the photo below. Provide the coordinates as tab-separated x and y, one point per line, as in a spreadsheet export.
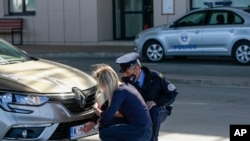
7	99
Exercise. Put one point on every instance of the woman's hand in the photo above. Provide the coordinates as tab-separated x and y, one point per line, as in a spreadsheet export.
98	111
95	106
88	126
117	114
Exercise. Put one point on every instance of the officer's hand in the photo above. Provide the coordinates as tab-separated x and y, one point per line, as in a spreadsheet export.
118	115
150	104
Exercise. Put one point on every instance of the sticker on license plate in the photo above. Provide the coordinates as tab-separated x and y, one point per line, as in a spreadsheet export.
77	132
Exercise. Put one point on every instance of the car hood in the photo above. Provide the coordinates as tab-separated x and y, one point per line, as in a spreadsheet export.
43	76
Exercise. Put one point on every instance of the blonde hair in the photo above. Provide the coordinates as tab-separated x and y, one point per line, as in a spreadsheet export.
107	79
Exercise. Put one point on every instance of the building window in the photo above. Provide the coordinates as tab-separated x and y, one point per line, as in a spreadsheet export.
21	7
197	4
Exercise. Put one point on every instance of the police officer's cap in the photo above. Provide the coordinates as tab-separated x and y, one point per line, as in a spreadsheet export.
127	61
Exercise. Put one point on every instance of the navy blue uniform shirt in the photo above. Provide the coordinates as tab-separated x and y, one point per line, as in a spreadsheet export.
157	88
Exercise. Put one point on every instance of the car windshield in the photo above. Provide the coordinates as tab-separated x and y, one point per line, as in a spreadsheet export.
10	54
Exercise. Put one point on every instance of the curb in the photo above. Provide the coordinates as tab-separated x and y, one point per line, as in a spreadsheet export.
79	54
205	82
209	81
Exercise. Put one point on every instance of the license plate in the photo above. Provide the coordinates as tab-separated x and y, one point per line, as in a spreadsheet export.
76	132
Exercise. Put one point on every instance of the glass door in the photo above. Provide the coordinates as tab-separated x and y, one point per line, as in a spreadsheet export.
130	18
133	17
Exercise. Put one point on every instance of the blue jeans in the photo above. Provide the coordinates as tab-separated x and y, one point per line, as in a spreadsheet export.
125	132
158	115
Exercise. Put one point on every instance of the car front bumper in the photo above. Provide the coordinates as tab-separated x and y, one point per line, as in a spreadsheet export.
49	121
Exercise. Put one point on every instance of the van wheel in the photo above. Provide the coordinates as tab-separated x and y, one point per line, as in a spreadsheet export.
242	52
154	52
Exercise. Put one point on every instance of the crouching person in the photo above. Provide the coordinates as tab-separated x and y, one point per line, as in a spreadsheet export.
124	99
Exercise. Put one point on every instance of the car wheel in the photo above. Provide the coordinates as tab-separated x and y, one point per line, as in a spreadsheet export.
154	51
242	52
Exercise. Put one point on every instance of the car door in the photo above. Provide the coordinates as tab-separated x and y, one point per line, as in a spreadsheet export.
217	35
184	35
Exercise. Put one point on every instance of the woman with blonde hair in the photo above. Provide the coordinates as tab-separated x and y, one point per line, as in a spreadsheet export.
126	100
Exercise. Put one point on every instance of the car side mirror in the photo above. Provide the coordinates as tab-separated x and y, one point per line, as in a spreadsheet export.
172	25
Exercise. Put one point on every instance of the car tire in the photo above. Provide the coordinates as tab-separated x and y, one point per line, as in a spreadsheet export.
154	51
242	52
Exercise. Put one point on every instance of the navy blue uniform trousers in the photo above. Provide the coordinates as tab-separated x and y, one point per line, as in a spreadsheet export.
158	115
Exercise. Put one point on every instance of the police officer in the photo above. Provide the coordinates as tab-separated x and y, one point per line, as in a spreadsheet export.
156	90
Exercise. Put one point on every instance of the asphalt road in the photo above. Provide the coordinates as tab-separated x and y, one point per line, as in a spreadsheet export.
202	112
197	71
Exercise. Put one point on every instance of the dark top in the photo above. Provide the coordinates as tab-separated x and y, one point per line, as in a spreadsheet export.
157	88
128	101
115	120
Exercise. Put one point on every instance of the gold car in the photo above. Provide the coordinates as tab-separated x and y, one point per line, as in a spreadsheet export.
41	99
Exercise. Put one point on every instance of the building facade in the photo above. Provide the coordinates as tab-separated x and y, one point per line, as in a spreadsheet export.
78	22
